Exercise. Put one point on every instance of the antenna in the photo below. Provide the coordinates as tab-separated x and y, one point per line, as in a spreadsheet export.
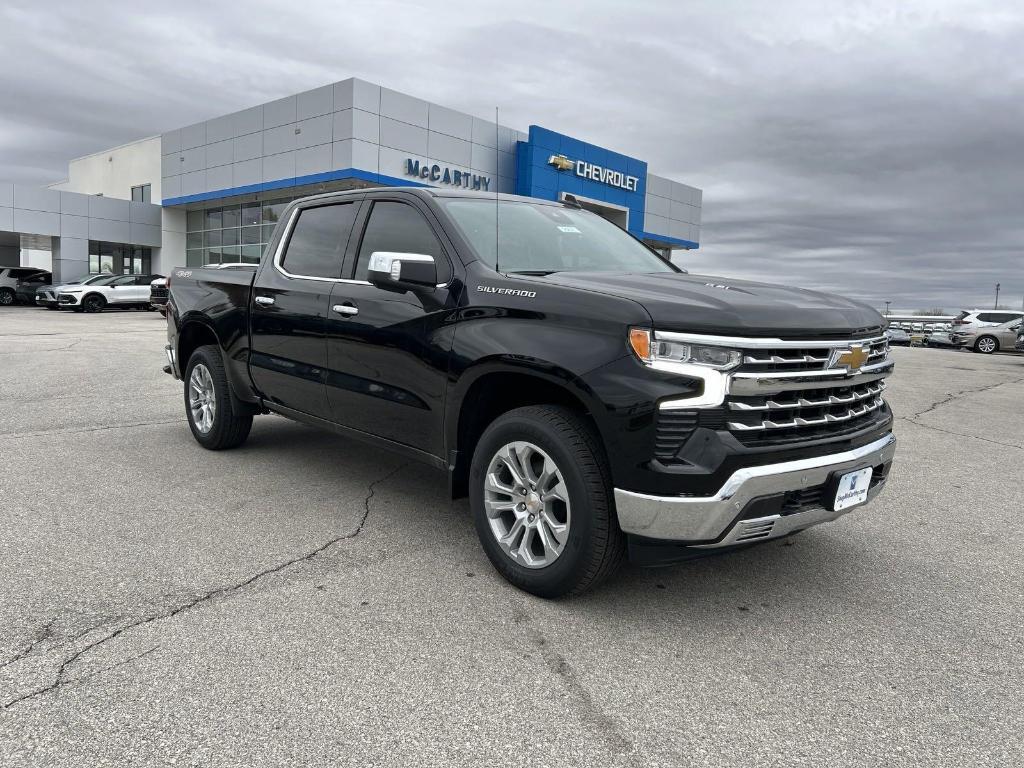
497	162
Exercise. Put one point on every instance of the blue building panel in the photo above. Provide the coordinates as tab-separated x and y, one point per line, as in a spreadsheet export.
551	164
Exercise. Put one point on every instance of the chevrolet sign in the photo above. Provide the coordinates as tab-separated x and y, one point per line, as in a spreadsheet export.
586	170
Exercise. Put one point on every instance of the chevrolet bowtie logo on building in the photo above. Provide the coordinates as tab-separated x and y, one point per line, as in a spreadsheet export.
852	359
561	162
586	170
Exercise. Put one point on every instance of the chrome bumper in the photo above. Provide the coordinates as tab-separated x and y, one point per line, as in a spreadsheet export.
707	518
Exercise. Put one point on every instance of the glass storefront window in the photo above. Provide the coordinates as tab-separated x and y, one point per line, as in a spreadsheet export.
231	216
272	211
228	233
251	213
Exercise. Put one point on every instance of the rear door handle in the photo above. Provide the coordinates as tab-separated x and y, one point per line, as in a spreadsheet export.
266	301
348	310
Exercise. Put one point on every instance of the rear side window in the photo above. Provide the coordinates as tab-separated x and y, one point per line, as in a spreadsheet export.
399	228
987	317
318	240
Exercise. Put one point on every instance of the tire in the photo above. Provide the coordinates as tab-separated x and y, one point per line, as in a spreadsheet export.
231	419
6	297
93	303
986	345
593	544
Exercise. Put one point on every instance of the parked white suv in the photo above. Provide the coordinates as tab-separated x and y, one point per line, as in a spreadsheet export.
975	319
117	291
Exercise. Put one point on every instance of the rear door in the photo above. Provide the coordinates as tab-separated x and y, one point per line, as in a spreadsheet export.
291	296
388	351
121	290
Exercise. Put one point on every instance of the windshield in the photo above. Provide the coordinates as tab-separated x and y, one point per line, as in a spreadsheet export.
538	238
101	280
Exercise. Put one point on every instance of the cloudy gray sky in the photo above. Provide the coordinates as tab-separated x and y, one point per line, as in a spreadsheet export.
871	148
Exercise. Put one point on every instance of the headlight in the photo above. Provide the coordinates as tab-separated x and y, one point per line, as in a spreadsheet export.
652	350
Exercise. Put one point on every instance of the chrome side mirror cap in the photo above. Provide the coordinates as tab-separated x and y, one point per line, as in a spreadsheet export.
388	269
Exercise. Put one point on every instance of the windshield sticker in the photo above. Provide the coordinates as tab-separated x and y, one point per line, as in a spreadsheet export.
570	229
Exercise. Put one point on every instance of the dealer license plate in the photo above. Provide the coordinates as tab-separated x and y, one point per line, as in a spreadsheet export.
853	489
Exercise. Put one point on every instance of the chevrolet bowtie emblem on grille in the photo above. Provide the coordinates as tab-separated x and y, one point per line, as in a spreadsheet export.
561	162
852	359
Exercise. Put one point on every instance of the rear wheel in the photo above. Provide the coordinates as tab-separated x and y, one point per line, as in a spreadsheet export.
541	496
93	303
986	345
217	418
6	297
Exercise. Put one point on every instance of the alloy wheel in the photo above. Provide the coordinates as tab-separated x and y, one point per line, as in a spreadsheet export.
987	345
202	398
527	504
6	298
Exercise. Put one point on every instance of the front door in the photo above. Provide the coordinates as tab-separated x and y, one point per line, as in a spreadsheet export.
290	303
387	351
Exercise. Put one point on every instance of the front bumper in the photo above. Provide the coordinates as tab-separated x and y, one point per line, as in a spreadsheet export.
719	520
69	299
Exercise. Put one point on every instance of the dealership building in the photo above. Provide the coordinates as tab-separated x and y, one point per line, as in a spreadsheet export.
212	192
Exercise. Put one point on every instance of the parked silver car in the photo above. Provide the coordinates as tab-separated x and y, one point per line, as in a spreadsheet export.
989	339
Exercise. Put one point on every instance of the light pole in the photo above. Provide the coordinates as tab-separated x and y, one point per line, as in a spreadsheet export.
887	308
997	297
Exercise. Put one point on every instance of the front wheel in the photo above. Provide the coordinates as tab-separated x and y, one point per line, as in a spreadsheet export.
6	297
217	418
93	303
986	345
541	496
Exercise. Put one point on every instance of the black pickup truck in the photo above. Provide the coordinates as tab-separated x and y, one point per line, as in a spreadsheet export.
591	399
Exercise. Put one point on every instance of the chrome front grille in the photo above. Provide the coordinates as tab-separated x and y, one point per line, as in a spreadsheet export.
812	408
784	392
800	391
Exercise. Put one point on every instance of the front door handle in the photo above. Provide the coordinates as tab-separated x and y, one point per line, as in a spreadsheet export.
266	301
348	310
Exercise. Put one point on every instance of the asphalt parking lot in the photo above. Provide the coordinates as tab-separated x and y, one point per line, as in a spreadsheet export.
307	601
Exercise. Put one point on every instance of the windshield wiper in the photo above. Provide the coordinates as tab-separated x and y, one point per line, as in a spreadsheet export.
536	272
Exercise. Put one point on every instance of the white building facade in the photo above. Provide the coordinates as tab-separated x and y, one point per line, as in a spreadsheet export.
212	192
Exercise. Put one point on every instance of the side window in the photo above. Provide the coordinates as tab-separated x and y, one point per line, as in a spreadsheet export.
985	317
400	228
126	280
318	240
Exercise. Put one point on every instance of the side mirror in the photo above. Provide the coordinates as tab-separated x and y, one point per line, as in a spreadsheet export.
402	270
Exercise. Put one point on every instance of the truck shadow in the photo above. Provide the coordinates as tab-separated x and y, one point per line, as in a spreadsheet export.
813	570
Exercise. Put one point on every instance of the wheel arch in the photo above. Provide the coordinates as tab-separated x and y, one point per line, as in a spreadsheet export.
497	386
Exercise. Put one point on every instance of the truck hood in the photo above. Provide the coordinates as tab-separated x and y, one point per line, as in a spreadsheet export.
704	304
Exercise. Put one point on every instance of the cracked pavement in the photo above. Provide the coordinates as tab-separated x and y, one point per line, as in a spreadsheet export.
308	601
